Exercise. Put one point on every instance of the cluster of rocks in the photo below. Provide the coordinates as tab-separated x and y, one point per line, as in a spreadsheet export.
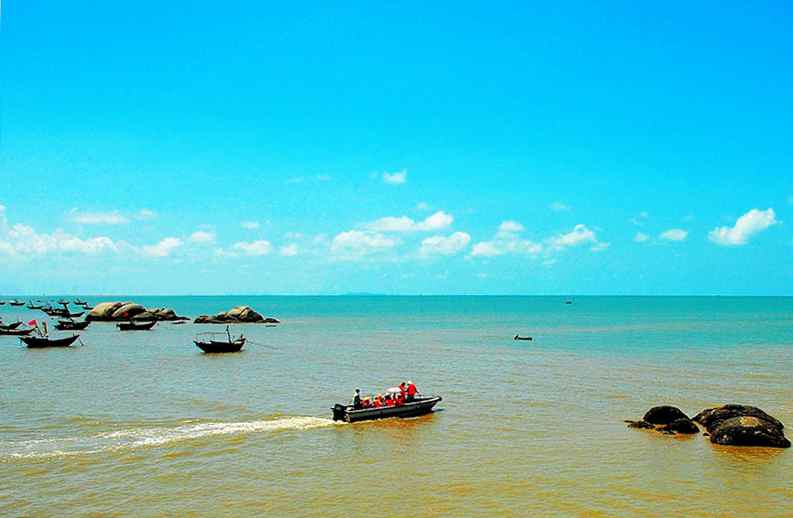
238	315
126	311
736	425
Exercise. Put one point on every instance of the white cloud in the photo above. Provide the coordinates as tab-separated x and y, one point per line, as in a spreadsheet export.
164	248
357	244
255	248
250	225
506	243
600	246
559	206
674	234
510	226
444	245
97	218
746	226
641	237
202	237
580	234
436	221
423	206
289	250
146	214
641	219
397	178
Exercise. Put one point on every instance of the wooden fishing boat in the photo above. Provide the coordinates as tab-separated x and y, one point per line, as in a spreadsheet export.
17	303
63	302
210	343
71	325
526	338
34	306
136	326
15	332
79	302
36	342
11	326
419	406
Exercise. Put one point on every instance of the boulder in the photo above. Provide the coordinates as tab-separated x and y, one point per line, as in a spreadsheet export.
237	315
711	417
128	311
664	414
104	310
741	425
666	419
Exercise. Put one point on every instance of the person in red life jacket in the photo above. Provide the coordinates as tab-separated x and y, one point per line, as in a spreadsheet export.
378	401
389	401
412	391
400	399
403	389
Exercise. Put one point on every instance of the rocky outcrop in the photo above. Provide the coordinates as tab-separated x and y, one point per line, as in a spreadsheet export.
666	419
124	311
741	425
237	315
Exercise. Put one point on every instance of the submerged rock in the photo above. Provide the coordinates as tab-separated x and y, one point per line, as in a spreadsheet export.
682	425
741	425
237	315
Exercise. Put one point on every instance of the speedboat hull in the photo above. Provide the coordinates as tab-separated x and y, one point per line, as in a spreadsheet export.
420	406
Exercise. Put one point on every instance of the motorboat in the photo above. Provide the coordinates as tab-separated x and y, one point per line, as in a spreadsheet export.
419	406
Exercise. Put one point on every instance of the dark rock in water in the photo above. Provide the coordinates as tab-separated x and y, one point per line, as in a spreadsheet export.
711	417
682	425
664	415
238	315
742	425
749	431
640	424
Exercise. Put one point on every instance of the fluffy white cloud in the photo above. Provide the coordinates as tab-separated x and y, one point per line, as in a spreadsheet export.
97	218
745	227
202	237
436	221
250	225
674	234
163	248
146	214
559	206
641	237
510	226
255	248
289	250
444	245
580	234
397	178
357	244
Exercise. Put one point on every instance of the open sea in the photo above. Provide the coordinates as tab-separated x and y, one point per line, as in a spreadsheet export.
144	424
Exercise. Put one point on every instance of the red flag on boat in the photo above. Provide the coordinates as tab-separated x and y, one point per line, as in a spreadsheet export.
32	323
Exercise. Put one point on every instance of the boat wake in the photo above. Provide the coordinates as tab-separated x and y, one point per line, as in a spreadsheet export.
149	437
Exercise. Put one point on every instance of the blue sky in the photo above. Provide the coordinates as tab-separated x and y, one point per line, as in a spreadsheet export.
498	147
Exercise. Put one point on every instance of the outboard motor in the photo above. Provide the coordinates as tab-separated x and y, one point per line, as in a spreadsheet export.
339	411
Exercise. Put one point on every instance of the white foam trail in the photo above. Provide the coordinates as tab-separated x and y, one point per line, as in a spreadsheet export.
146	437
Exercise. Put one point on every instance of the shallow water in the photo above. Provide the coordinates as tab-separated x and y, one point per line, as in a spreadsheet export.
143	423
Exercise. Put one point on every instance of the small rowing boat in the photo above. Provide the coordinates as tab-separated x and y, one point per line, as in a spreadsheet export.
71	325
211	345
526	338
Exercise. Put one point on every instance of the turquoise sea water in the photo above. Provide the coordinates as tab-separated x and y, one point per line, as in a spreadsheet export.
143	423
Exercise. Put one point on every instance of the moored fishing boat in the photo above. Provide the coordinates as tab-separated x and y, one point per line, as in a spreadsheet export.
419	406
71	325
17	303
9	327
136	326
37	342
207	342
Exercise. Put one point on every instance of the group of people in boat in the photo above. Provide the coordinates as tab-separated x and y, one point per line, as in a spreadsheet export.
397	396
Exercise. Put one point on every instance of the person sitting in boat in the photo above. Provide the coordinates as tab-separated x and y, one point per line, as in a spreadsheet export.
366	402
412	391
389	401
378	401
400	399
356	400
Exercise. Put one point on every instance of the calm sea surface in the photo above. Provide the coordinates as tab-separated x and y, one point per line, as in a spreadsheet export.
144	424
